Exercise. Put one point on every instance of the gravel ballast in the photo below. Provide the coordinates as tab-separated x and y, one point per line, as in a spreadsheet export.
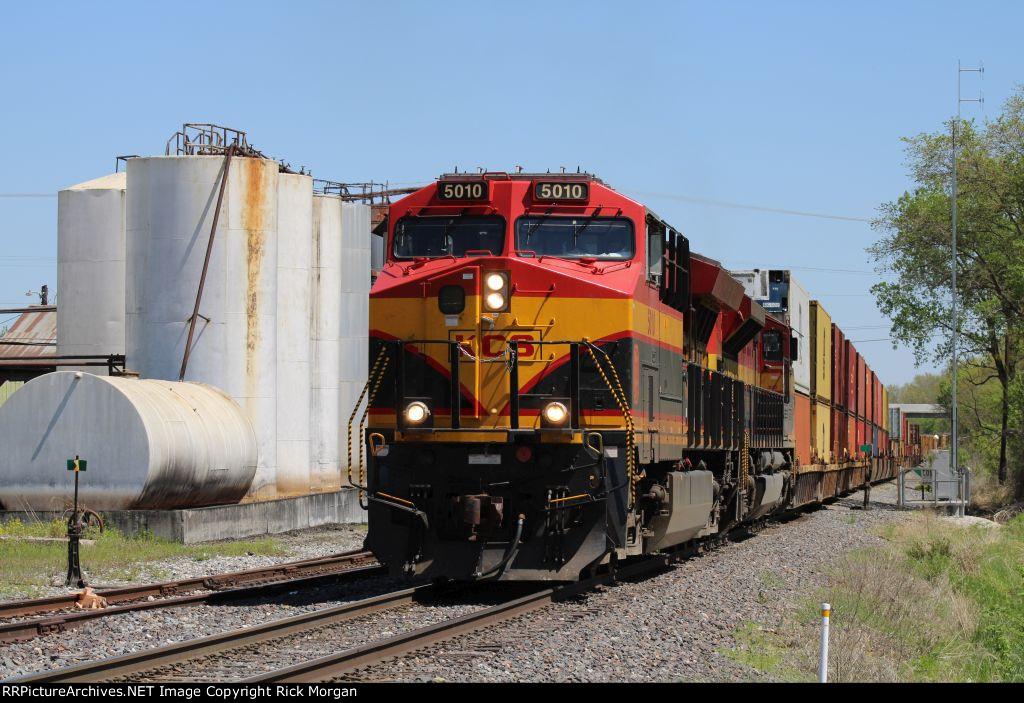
678	625
299	544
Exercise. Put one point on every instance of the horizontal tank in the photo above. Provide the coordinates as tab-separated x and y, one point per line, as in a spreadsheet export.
148	444
91	267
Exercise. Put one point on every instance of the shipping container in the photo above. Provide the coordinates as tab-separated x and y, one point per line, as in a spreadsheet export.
869	395
821	353
850	361
838	434
838	367
879	406
802	427
895	424
914	434
851	435
821	433
861	386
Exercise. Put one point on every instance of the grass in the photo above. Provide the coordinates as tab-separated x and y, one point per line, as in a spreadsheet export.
763	650
937	603
28	567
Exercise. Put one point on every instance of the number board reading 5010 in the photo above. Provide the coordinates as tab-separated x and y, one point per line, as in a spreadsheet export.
463	190
561	191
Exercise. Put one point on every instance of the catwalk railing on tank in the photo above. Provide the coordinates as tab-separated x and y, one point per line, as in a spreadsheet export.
114	363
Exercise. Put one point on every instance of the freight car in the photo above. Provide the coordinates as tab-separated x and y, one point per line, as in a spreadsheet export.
557	383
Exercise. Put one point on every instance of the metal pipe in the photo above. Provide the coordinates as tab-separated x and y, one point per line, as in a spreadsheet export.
206	263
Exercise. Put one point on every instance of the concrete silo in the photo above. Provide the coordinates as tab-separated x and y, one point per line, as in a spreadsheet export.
294	342
353	347
91	268
170	209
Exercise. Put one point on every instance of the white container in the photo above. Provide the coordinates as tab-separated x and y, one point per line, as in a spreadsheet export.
91	268
170	208
800	322
294	342
147	443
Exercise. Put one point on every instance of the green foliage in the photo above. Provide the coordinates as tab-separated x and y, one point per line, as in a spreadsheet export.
939	602
915	246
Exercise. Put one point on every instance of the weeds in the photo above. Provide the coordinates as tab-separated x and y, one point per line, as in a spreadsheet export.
938	602
28	567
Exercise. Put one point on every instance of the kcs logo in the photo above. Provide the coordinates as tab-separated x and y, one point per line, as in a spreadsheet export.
493	344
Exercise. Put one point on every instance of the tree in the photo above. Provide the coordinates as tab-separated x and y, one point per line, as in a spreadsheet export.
990	260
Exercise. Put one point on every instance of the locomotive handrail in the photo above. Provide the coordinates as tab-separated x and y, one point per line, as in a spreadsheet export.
456	350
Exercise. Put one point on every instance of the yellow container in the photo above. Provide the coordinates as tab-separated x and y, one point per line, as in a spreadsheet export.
821	352
821	433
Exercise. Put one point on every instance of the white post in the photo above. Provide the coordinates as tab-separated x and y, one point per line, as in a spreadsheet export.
826	612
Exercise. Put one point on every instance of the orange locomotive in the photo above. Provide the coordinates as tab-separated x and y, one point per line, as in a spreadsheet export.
557	383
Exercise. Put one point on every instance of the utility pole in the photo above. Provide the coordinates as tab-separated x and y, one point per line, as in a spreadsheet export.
954	439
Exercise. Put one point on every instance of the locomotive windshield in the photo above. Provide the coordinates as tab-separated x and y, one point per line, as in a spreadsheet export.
608	238
448	236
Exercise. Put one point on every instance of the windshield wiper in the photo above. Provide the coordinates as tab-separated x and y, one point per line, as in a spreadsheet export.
576	232
535	225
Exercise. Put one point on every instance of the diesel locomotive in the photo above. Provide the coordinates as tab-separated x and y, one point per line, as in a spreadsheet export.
557	383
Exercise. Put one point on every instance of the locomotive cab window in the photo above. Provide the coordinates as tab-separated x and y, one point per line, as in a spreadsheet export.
431	237
772	340
605	238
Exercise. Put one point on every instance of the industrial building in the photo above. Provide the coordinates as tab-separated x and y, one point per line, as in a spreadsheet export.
237	295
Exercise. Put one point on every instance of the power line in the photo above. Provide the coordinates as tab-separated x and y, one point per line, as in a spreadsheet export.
745	206
28	195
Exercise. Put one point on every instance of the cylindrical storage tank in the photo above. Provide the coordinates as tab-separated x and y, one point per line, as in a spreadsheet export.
294	245
91	268
325	329
169	215
147	444
353	345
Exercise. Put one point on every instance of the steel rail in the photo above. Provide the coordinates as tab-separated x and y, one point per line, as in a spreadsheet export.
221	588
35	606
147	659
376	652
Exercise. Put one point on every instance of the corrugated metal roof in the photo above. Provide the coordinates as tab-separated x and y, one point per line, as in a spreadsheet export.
33	334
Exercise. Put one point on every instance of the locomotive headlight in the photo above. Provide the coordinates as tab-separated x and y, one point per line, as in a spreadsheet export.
416	413
555	413
494	301
496	291
495	282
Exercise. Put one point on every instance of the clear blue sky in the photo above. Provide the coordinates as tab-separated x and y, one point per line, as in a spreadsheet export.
791	105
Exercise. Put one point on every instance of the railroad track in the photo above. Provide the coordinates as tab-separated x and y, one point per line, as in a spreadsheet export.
219	588
345	665
255	654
